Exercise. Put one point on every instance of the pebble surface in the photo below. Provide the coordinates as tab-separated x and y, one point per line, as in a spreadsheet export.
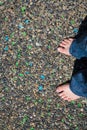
31	68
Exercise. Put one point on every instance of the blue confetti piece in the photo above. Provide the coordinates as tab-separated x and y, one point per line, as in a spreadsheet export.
26	21
40	88
42	77
26	72
6	48
6	38
30	64
20	26
75	30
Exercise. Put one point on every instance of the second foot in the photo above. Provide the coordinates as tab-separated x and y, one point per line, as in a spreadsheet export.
65	93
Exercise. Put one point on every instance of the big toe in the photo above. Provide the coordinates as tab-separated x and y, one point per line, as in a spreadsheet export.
59	89
61	49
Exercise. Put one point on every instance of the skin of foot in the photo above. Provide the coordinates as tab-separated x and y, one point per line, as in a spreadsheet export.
64	90
65	93
65	45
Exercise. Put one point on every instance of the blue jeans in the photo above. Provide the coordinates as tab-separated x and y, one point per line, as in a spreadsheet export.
78	83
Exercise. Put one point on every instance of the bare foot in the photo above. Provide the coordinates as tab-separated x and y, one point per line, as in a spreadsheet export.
65	93
65	45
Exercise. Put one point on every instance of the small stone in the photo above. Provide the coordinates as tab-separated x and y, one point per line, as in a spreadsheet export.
38	44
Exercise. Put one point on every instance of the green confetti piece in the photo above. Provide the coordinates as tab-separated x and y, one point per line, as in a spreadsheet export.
24	33
49	114
24	120
1	3
22	75
32	128
80	115
3	98
35	102
62	16
29	47
27	64
70	117
23	9
18	55
49	100
76	128
12	35
27	98
13	43
58	105
73	102
49	46
79	105
40	100
72	22
6	89
70	124
17	63
48	106
63	120
6	19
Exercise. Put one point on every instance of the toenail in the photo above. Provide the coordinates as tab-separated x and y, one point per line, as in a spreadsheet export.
58	49
57	90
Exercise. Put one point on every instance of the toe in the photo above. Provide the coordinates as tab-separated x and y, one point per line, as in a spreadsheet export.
59	89
66	41
67	99
61	94
60	49
71	39
62	45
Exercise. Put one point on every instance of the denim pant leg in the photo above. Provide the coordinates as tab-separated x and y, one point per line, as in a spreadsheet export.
78	84
78	48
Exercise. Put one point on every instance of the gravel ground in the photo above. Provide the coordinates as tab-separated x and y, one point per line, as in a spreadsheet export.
31	68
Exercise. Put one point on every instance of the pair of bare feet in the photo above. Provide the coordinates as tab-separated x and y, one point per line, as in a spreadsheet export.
64	90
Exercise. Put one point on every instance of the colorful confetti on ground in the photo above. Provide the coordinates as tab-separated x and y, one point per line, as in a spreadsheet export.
31	68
